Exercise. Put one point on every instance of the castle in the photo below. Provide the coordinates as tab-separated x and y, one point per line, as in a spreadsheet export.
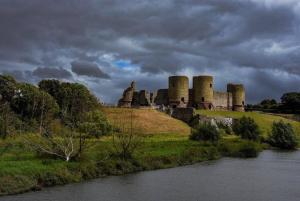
178	95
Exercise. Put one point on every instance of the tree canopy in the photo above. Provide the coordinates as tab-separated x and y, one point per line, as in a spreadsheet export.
291	101
7	87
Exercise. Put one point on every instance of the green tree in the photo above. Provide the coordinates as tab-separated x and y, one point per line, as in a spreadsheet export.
33	104
76	99
247	128
7	88
205	132
8	120
73	99
7	92
52	87
268	102
283	136
95	124
291	101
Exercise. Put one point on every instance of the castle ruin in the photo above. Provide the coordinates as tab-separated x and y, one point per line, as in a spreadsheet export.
178	95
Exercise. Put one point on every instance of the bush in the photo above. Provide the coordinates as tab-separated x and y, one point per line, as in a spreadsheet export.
239	148
95	124
205	132
283	136
249	149
246	128
226	128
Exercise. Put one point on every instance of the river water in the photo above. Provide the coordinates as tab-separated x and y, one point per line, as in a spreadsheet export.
273	176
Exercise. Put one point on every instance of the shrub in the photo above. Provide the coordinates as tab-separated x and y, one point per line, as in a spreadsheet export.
246	128
95	124
226	128
249	149
283	136
205	132
239	148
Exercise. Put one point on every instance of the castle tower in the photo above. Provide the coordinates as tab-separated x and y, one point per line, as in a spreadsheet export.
238	96
178	91
203	91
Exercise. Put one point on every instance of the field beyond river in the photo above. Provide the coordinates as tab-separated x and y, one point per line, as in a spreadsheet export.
165	144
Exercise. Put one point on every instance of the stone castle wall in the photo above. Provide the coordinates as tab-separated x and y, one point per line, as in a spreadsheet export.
162	97
180	95
222	100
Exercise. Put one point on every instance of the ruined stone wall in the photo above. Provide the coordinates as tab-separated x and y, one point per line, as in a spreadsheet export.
127	96
135	99
191	98
161	97
144	98
183	114
201	95
222	100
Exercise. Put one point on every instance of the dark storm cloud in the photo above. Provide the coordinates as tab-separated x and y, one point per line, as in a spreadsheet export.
88	69
161	37
47	72
18	75
270	85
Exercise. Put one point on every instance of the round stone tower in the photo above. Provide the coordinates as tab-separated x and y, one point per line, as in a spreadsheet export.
238	96
178	91
203	91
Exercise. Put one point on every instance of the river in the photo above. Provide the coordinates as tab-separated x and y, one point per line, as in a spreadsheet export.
273	176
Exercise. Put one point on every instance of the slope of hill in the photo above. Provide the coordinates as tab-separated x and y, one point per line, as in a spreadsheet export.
146	121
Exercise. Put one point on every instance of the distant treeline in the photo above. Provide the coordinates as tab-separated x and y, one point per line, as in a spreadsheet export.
290	104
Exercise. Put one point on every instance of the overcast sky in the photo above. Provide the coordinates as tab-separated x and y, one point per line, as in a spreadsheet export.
105	44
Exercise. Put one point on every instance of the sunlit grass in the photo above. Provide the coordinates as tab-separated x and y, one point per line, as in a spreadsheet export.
262	119
147	121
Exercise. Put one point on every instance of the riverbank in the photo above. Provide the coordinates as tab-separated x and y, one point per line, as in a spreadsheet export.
265	177
23	171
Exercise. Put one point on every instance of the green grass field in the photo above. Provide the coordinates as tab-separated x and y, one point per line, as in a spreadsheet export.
263	120
24	170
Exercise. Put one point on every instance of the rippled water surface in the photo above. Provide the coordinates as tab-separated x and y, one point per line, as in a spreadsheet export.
273	176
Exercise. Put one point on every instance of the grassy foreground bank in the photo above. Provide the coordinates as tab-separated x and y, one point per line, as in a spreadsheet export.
165	144
22	171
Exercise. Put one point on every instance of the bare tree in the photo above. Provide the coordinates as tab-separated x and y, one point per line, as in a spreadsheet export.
42	113
62	143
127	139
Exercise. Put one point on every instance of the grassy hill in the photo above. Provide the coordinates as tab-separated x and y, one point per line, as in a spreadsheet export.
262	119
147	121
